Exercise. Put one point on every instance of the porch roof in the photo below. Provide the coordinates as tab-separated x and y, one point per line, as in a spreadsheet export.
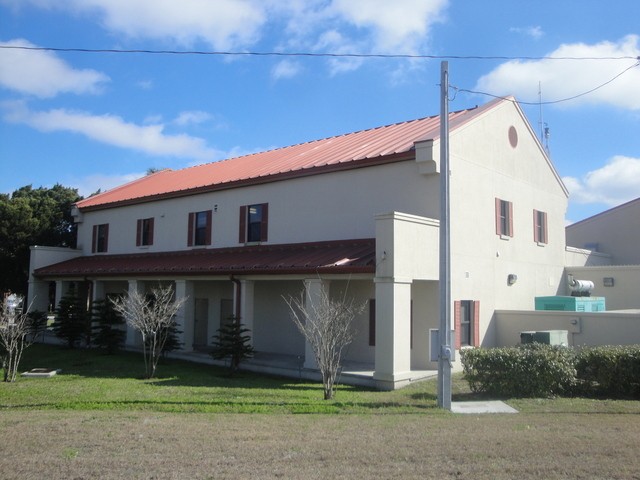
337	256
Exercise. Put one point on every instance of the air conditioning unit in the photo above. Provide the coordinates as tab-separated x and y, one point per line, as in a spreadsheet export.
546	337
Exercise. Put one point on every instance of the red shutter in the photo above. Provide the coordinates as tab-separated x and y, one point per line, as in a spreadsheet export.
106	238
151	225
242	235
94	239
457	311
545	231
209	228
535	226
264	225
498	223
192	219
476	323
510	209
139	232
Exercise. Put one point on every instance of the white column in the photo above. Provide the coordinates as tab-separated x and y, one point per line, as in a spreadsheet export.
313	289
246	305
97	291
38	296
393	332
134	338
185	316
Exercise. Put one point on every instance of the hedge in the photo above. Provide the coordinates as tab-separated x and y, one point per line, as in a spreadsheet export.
536	370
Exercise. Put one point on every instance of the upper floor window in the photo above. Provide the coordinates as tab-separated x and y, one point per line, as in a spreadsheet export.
144	232
504	218
540	234
254	221
100	238
199	228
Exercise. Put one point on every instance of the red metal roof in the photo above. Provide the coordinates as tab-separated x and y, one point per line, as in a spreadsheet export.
337	256
382	144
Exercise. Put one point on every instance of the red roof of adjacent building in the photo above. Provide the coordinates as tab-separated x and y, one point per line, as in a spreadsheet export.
379	145
337	256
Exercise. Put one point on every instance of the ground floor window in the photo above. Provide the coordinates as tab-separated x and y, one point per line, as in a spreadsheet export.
467	323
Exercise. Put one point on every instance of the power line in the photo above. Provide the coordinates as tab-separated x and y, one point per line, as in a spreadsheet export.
551	102
306	54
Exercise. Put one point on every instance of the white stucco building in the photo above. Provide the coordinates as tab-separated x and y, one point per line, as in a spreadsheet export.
354	214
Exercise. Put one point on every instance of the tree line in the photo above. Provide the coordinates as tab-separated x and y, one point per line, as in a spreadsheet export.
32	216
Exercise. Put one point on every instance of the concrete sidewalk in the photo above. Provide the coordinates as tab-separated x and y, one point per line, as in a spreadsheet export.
489	406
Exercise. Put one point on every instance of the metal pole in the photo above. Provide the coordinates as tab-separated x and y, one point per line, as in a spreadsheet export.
446	353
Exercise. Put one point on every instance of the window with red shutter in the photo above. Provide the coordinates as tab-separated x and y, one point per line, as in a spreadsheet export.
200	228
254	223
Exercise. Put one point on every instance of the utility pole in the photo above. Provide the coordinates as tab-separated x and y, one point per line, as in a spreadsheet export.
445	356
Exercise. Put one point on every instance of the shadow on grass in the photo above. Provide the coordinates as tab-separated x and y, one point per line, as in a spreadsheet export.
93	363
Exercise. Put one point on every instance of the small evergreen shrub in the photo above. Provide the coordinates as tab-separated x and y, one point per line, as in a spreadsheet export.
531	370
612	371
72	320
233	342
108	327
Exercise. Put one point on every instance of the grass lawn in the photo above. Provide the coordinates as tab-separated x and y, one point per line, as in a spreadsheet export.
99	419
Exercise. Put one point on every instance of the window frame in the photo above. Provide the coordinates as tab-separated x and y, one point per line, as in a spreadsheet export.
100	238
472	307
540	227
200	235
144	232
245	235
504	218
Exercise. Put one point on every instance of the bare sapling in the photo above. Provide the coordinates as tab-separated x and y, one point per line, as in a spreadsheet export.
15	326
327	325
152	315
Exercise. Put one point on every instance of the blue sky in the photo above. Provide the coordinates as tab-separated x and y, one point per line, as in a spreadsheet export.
90	120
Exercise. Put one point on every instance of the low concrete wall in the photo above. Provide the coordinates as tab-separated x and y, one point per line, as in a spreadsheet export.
590	329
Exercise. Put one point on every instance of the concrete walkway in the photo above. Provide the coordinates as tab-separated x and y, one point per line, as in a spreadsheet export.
489	406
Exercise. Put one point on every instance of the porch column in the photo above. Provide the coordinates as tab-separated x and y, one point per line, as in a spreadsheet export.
38	296
393	332
246	306
97	291
184	317
134	338
61	289
313	289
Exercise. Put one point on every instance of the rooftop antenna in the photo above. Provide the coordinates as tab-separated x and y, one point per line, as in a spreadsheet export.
540	119
544	126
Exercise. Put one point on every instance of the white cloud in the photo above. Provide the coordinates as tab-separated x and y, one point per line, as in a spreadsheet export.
285	69
43	74
193	117
615	183
566	78
535	32
112	130
354	26
397	26
223	24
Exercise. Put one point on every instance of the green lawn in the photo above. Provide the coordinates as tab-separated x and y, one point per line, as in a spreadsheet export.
91	380
99	419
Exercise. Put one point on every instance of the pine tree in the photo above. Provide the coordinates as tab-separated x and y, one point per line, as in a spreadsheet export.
173	339
106	325
232	342
72	320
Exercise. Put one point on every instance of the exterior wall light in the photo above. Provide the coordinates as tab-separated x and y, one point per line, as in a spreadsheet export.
512	278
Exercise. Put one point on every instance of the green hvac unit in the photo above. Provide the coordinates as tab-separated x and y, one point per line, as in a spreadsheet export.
571	304
547	337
